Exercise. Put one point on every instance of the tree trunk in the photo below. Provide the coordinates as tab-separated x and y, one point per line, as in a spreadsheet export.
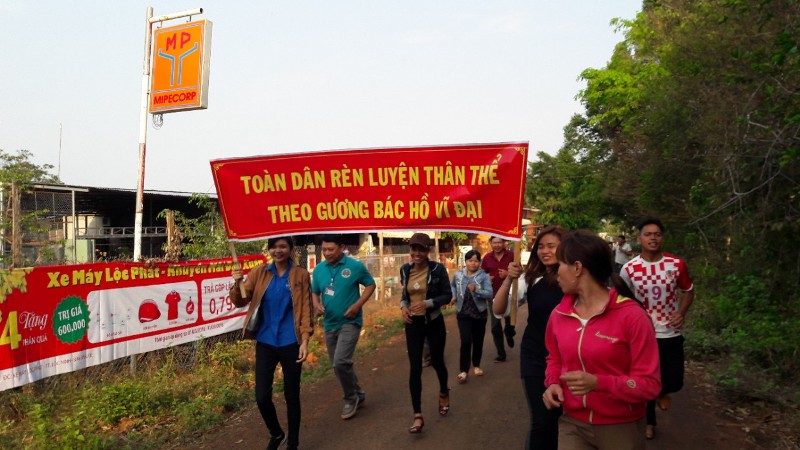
174	246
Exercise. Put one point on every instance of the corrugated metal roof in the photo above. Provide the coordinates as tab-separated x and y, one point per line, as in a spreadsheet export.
79	188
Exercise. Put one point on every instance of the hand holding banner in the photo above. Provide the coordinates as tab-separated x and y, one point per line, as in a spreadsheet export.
238	266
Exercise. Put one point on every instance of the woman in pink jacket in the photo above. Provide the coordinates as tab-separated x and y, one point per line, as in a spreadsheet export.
603	364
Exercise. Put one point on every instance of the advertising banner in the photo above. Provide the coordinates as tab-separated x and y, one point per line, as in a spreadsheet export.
58	319
476	188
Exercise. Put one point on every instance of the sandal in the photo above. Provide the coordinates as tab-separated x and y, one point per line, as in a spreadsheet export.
417	427
477	371
444	403
461	378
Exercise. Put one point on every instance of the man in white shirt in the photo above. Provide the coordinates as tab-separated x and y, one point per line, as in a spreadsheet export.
662	283
622	252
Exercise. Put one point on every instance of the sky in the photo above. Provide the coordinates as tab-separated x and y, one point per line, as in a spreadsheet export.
294	76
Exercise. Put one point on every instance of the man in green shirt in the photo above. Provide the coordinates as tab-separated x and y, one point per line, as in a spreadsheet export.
335	288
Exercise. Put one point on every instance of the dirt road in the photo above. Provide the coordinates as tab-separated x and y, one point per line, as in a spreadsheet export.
487	412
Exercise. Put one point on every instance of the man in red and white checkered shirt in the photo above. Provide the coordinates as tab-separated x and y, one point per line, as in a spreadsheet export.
662	283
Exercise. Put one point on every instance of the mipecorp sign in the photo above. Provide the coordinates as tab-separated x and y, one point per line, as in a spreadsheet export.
180	67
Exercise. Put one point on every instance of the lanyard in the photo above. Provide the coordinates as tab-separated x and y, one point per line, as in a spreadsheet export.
333	274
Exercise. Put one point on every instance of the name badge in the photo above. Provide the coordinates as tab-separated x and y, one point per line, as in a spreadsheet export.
329	291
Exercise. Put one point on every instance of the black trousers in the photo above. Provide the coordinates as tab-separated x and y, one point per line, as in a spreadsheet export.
416	332
670	355
267	359
543	429
472	332
498	332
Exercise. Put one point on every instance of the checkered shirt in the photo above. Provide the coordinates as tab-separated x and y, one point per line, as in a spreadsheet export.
656	284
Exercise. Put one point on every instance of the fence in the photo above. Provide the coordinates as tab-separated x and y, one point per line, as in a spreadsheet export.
183	356
186	355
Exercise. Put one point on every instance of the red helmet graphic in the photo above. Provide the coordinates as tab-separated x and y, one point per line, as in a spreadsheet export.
148	311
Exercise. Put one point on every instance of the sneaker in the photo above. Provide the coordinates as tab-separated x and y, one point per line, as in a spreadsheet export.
275	442
349	409
650	432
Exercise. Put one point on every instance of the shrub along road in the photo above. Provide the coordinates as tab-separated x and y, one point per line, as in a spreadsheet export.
486	412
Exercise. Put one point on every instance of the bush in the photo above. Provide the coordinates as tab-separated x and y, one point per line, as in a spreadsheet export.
749	338
199	414
132	399
751	324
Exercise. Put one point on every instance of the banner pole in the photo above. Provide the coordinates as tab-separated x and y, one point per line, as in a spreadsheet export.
236	265
515	286
381	270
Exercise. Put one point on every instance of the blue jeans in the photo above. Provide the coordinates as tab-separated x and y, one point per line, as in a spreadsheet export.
341	346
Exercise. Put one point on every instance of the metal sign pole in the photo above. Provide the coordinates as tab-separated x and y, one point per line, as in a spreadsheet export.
137	224
148	39
137	232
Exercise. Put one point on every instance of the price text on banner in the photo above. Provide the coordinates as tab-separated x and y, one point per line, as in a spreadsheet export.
469	188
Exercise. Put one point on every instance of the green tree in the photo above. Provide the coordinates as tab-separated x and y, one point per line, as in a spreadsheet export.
568	186
697	109
19	170
700	110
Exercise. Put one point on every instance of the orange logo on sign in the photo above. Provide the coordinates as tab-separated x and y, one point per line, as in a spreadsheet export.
179	79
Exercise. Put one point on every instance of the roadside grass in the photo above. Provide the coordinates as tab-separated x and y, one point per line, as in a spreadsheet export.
761	400
167	402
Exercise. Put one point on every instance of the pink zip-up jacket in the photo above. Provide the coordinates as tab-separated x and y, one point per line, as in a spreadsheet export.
618	346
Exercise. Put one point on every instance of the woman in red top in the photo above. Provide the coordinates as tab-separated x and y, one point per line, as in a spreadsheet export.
602	366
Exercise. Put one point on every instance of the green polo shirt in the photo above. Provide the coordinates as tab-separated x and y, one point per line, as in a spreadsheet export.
344	279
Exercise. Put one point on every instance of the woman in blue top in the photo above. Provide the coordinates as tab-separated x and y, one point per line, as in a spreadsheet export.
279	319
472	288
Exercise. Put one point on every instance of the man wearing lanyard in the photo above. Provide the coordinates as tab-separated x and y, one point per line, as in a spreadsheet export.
335	290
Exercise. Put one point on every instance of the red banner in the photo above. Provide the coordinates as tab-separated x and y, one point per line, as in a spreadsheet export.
57	319
468	188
